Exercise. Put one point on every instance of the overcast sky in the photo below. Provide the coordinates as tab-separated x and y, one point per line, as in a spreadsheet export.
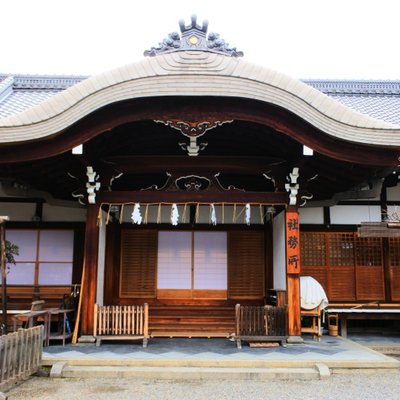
350	39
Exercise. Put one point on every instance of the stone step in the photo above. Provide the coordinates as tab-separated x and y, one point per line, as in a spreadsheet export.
189	373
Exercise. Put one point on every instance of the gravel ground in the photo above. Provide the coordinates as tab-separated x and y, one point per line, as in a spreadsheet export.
352	385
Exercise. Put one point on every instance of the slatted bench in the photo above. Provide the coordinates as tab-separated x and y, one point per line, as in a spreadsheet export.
121	323
362	311
260	324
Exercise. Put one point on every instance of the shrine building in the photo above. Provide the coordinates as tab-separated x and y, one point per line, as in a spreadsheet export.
193	180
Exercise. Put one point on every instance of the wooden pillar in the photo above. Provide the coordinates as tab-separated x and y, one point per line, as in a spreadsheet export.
293	270
3	275
90	280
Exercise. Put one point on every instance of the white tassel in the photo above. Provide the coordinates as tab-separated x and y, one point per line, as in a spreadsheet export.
136	214
213	216
248	212
174	214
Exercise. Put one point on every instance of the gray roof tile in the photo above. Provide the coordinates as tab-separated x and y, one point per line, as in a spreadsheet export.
20	92
378	99
21	100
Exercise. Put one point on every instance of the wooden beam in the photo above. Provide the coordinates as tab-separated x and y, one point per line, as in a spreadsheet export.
184	164
378	229
197	109
229	196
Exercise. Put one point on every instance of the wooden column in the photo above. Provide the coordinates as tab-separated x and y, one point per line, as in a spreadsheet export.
293	270
90	281
3	264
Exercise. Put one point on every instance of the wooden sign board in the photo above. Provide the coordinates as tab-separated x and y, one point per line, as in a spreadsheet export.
292	243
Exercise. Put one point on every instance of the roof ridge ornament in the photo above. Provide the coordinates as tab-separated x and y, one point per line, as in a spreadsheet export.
194	37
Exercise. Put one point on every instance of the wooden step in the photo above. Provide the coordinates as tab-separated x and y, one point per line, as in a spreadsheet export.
191	321
190	334
191	312
193	318
192	327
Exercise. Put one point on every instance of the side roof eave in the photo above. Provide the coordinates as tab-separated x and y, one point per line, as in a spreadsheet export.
196	74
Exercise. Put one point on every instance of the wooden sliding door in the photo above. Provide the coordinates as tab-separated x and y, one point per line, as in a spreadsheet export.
187	265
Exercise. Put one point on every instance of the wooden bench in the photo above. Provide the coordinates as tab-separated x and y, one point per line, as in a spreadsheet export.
121	323
260	324
363	311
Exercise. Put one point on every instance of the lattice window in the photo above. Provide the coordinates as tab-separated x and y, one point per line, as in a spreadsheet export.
354	266
313	249
394	252
341	249
369	252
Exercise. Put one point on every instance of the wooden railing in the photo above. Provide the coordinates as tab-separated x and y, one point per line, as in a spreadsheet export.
20	355
260	324
121	323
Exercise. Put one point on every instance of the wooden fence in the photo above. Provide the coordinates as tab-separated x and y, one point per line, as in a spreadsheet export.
260	324
121	323
20	355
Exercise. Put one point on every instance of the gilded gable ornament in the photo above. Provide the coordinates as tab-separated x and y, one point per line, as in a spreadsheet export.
194	37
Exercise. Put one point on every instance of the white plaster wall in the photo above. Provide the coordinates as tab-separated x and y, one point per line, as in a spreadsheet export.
101	263
279	248
70	214
353	215
311	215
18	211
393	193
393	212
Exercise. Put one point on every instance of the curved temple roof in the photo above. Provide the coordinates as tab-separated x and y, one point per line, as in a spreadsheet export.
196	72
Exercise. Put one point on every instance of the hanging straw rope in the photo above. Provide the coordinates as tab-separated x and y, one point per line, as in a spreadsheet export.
121	214
146	214
159	214
108	214
240	213
197	215
184	214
